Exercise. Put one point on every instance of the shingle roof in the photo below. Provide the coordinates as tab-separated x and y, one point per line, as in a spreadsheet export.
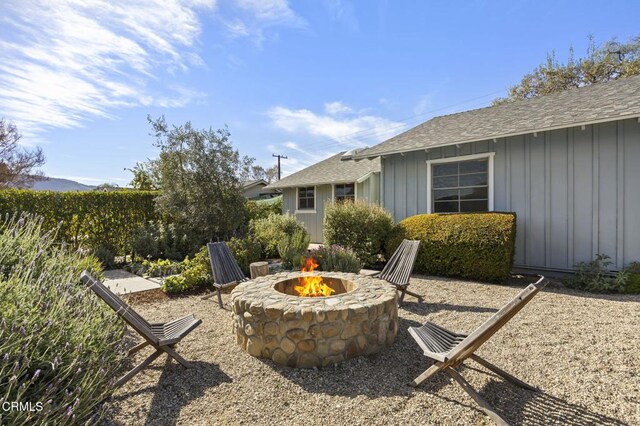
331	170
599	102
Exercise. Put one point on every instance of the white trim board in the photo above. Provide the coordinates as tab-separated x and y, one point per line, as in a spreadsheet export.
490	166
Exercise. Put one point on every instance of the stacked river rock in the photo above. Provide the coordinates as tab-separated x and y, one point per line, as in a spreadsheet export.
314	331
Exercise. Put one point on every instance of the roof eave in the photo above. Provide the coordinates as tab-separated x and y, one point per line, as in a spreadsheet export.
539	130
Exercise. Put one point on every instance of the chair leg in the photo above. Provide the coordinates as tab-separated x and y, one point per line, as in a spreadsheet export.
220	298
484	405
417	296
500	372
137	347
429	372
402	293
173	354
124	379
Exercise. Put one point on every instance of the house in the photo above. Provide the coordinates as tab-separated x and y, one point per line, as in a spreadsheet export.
255	190
567	163
306	191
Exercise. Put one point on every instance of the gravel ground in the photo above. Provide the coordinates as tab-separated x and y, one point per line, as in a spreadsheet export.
581	350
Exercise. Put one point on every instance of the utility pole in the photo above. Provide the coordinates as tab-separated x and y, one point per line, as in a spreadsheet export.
279	157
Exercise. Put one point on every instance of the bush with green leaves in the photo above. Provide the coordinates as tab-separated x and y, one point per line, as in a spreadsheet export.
106	254
360	226
196	273
271	230
156	239
632	286
87	219
595	276
477	246
261	209
292	248
335	259
245	250
59	344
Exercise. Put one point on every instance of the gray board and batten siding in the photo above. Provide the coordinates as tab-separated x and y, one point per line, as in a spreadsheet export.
576	191
367	190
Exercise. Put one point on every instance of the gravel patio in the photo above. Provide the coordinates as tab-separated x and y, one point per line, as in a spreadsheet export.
581	350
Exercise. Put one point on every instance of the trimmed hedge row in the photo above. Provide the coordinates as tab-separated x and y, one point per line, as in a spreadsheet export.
477	246
86	219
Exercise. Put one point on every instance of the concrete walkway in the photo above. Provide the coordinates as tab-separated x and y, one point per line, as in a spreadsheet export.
122	282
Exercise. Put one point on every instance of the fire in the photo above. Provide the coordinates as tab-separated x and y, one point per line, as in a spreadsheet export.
312	286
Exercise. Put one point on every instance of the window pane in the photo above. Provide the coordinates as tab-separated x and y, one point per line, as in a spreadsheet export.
473	166
310	191
302	203
310	203
349	189
475	179
445	182
445	169
302	192
339	191
445	207
474	206
445	194
480	193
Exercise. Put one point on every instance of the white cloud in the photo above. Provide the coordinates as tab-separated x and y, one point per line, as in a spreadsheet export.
323	135
71	60
349	131
424	105
337	107
259	15
344	13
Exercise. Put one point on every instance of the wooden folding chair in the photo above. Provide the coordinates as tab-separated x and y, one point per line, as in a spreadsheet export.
162	336
449	349
225	268
399	267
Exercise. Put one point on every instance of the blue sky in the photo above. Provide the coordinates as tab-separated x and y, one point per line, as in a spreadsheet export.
302	78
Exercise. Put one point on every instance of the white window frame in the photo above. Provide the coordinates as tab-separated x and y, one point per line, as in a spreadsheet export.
333	190
487	155
315	200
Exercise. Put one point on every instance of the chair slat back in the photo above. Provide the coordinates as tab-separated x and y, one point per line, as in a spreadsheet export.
474	340
224	266
399	267
119	306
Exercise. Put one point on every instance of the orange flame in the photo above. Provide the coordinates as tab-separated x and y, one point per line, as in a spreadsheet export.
312	286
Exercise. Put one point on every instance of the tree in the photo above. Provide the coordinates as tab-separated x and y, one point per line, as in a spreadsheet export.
199	176
17	164
143	177
609	61
259	172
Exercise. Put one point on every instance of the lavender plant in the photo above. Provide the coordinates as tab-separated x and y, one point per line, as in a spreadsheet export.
336	258
60	346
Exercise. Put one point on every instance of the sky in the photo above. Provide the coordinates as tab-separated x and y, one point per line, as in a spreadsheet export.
305	79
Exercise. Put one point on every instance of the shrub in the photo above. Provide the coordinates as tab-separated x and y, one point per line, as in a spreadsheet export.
477	246
292	248
261	209
272	229
246	251
632	285
60	345
196	273
105	254
155	239
359	226
595	276
85	219
336	259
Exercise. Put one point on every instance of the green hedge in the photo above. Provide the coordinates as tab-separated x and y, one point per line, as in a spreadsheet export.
86	219
477	246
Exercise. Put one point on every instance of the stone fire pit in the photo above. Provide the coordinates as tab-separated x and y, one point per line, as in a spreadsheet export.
272	322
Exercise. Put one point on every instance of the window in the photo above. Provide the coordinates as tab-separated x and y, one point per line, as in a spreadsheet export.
461	186
306	198
345	191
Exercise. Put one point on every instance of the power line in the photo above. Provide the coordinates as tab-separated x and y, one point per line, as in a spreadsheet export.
405	122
